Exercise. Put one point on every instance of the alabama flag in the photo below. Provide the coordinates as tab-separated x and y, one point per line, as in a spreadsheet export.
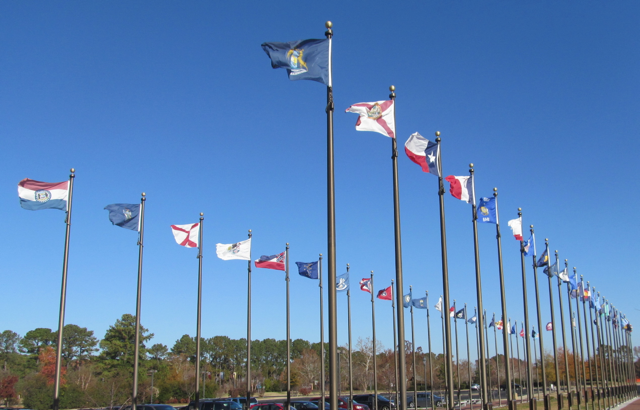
376	116
461	188
516	227
271	262
424	153
186	235
36	195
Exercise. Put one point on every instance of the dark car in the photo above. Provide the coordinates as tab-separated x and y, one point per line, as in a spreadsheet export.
242	400
327	406
424	400
151	407
515	386
270	406
210	404
304	405
369	400
343	403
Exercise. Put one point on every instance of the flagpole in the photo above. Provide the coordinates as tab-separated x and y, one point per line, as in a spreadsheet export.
480	376
553	323
288	402
503	298
398	251
248	395
63	294
198	314
322	375
613	361
466	326
519	361
482	359
603	371
606	340
489	397
375	364
513	372
413	351
579	296
331	241
586	335
395	341
535	354
444	354
350	361
593	343
527	325
564	335
573	340
430	354
134	397
495	339
547	403
455	325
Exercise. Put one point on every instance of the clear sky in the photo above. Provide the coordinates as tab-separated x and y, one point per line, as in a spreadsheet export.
178	100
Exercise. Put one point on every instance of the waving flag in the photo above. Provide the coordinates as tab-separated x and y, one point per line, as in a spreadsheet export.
275	262
534	335
308	269
516	228
452	311
124	215
549	326
552	270
487	210
564	275
499	325
365	284
493	322
522	332
513	330
406	299
342	282
424	153
186	235
543	259
239	250
419	303
473	320
303	59
461	188
376	116
385	294
36	195
461	314
438	305
528	247
573	281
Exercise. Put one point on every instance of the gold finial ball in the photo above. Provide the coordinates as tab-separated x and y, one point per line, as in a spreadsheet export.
519	209
566	260
328	24
471	165
495	189
531	226
73	170
574	268
347	264
201	213
287	243
143	194
371	271
437	133
320	254
392	88
249	230
546	239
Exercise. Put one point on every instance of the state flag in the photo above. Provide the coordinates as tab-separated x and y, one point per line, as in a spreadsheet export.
186	235
499	325
124	215
534	335
522	332
438	305
365	285
424	153
473	320
239	250
36	195
275	262
419	303
564	275
493	322
452	311
461	188
487	210
529	248
342	282
543	259
461	314
303	59
549	326
378	116
516	228
308	269
385	294
406	300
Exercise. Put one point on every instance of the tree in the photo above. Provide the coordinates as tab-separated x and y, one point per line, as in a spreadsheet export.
118	345
8	345
8	389
48	359
35	340
307	367
186	345
78	344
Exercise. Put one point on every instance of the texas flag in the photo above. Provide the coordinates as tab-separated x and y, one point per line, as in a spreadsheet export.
271	262
385	294
516	228
461	188
186	235
36	195
376	116
424	153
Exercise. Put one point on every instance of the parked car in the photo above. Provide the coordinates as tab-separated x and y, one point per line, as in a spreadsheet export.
424	400
151	407
369	400
304	405
270	406
327	406
242	400
513	386
475	387
210	404
343	403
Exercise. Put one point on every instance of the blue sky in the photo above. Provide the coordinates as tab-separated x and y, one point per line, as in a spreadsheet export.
179	101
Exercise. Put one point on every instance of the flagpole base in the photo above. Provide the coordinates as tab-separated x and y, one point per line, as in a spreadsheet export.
532	404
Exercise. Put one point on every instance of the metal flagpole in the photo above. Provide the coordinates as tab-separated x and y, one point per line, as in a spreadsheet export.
331	242
247	404
455	325
350	361
63	294
288	402
489	397
603	367
519	365
495	340
584	370
466	326
535	354
398	251
547	404
513	372
607	341
503	298
564	337
586	335
322	375
593	344
445	281
527	325
444	354
395	342
482	359
480	376
553	324
134	397
413	353
375	353
519	361
573	340
430	355
199	313
613	361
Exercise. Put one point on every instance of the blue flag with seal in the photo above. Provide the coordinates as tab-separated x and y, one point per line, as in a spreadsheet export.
419	303
529	248
124	215
487	210
310	269
303	59
342	282
543	259
406	299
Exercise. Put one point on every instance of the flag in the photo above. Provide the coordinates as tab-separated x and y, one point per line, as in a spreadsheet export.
549	326
342	282
461	188
378	116
271	262
36	195
516	228
303	59
461	314
238	250
522	332
473	320
438	305
493	322
406	299
543	259
592	301
552	270
487	210
534	335
564	275
365	284
452	311
586	293
424	153
513	330
499	325
385	294
573	281
419	303
186	235
308	269
124	215
528	247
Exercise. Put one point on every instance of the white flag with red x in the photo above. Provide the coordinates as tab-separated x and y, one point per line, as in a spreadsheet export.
186	235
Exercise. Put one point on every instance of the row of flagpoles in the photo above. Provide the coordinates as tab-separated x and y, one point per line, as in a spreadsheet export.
311	60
